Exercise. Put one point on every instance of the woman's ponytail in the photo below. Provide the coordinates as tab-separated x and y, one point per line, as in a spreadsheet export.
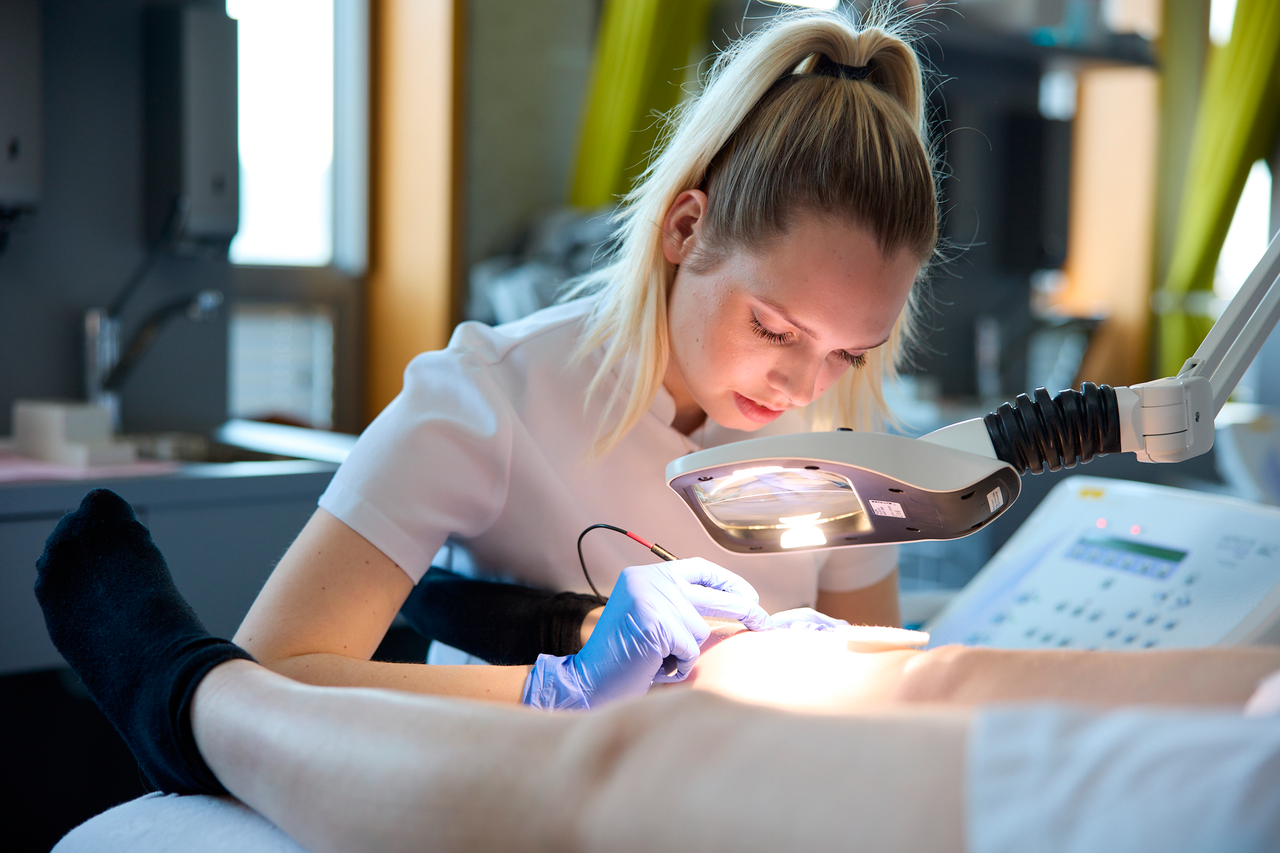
773	136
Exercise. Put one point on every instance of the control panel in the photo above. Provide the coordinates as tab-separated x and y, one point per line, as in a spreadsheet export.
1113	564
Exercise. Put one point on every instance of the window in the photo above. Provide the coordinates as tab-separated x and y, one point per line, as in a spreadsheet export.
282	363
286	131
1248	235
300	252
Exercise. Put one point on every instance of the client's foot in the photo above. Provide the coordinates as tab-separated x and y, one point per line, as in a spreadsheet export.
115	615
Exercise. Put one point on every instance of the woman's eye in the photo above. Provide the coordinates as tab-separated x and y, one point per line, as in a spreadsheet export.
857	361
771	337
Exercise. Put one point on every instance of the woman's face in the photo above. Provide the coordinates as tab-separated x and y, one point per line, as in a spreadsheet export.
771	330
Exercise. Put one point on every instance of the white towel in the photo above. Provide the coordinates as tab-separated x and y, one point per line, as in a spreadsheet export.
168	823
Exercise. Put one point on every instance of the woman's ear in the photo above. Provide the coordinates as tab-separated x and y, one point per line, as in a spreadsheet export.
682	225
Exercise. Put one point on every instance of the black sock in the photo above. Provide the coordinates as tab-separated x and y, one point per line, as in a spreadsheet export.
115	615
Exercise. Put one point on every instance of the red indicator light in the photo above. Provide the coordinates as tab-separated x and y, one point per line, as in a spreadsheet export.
1102	522
1135	530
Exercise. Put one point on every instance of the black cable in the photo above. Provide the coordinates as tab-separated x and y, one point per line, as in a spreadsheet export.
583	562
654	548
670	663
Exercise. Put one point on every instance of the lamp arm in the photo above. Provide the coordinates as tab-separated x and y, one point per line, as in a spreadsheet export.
1238	335
1171	419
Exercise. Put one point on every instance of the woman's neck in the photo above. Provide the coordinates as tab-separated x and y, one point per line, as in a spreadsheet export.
689	415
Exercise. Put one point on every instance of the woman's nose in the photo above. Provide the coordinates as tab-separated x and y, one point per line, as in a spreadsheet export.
797	379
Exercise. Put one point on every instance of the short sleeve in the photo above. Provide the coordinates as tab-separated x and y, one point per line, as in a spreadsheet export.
434	463
1062	780
847	569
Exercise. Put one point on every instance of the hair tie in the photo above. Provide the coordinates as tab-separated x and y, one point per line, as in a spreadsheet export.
830	68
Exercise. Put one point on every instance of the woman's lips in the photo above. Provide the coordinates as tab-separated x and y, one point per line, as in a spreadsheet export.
754	411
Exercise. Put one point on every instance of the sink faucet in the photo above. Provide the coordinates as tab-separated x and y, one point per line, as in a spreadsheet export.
107	365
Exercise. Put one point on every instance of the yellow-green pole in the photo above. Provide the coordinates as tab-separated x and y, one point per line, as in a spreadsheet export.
1235	125
642	57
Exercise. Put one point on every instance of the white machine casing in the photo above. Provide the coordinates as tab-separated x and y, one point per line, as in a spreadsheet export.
1247	450
909	490
1119	565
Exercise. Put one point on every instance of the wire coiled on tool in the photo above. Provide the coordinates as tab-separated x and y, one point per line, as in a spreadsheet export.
1055	433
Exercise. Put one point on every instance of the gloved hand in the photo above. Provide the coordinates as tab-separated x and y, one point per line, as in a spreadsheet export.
806	619
654	611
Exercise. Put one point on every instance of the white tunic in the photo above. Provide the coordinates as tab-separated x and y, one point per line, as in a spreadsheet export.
1056	779
487	443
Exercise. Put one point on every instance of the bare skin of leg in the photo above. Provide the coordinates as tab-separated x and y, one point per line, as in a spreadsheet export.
351	769
814	671
343	769
810	671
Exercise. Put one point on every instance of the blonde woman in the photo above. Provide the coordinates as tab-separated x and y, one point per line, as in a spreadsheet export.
765	280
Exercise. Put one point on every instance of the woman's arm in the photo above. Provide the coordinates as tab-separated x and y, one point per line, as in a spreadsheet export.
328	604
330	600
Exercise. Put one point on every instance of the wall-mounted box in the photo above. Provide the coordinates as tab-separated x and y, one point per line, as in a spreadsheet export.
190	103
21	105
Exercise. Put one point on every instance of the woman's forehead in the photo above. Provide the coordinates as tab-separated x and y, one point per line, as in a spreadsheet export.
830	282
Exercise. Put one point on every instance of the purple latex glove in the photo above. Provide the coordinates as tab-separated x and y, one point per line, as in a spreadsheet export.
806	619
654	611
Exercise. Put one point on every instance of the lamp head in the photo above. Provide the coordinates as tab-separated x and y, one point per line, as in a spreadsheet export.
835	489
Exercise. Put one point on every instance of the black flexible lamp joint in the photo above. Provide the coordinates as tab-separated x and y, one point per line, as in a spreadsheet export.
1052	433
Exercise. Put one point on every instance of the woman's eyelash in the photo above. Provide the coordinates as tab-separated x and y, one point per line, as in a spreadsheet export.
855	361
771	337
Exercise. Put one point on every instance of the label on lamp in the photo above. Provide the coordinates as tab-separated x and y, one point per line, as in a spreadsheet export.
887	508
995	499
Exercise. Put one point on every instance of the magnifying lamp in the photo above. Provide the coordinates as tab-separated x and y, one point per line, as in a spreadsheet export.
845	488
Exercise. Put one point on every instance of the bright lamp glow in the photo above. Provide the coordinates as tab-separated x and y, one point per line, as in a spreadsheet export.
806	535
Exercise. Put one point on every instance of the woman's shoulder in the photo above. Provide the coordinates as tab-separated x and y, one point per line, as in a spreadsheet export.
551	333
507	362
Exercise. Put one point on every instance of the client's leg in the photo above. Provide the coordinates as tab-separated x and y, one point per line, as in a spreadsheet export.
342	769
373	770
336	769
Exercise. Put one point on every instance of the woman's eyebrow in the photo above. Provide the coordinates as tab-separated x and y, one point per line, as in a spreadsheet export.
786	315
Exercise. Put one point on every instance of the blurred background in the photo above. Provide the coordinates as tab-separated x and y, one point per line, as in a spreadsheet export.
352	178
